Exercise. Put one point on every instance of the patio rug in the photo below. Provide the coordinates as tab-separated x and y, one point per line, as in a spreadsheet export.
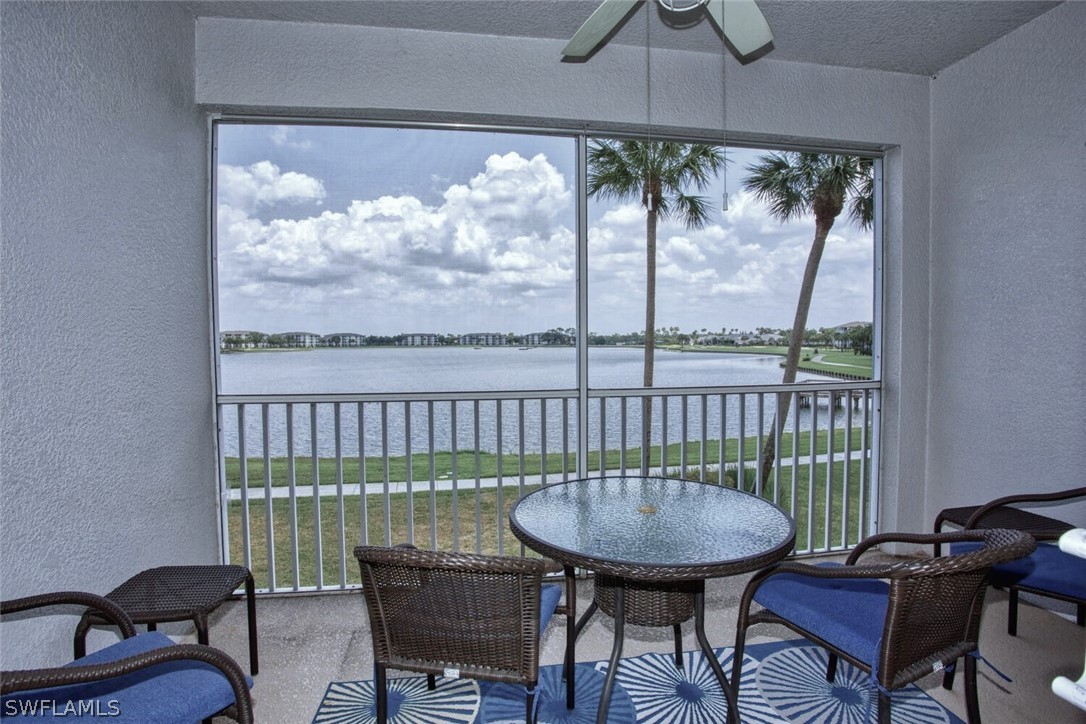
783	681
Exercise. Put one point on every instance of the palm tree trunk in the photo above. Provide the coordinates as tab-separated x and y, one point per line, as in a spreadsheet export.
650	337
791	360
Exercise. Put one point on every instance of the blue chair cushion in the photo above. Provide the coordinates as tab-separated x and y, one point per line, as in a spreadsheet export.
1046	569
548	601
847	612
178	691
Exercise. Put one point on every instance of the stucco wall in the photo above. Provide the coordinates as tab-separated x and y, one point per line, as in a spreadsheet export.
106	440
381	72
1008	320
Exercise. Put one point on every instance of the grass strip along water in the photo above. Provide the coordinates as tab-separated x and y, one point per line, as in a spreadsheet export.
467	470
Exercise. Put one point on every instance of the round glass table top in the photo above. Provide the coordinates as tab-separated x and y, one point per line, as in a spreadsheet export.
652	522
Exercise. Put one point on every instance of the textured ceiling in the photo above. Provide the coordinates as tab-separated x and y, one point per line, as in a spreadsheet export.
907	36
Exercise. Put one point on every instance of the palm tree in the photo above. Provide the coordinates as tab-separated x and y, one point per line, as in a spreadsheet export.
794	184
658	173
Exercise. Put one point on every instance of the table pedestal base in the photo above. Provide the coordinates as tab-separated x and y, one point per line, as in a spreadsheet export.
651	604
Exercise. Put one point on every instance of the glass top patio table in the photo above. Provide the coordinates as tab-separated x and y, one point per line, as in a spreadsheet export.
652	543
653	528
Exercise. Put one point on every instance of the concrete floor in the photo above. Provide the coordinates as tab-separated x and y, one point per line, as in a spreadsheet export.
307	641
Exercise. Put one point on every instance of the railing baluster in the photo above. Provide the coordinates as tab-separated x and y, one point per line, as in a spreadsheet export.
520	449
778	434
664	400
478	502
455	472
292	483
269	501
500	481
848	470
409	465
362	478
795	453
830	416
543	442
865	441
722	457
704	438
565	439
603	434
315	461
811	469
433	474
622	437
243	481
520	461
339	497
385	462
741	455
759	446
684	427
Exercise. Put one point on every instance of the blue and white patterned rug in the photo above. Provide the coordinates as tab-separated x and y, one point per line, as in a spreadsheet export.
782	681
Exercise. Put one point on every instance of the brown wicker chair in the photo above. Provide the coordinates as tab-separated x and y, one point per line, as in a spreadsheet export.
924	618
433	611
1048	572
1001	513
141	678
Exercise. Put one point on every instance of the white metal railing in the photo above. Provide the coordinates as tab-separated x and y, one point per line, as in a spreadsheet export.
442	470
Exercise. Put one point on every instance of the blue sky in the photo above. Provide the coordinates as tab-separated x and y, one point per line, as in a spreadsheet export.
385	231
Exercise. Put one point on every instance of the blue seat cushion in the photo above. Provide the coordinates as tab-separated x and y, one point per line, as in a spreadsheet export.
848	613
1046	569
177	691
548	601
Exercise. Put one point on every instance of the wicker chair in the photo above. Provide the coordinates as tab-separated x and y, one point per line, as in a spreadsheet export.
138	679
434	612
1048	571
925	617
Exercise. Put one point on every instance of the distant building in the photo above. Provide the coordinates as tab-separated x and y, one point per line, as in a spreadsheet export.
538	339
842	340
484	339
849	326
236	338
343	339
300	339
425	339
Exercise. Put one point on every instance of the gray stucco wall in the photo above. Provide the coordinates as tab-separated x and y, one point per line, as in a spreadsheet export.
1008	317
106	438
381	72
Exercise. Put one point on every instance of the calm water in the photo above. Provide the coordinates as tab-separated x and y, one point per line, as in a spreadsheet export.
463	369
456	369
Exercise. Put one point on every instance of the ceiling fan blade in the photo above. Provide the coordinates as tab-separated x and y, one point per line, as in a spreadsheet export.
609	14
742	23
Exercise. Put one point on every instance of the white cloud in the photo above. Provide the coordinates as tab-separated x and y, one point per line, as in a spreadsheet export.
283	136
501	237
262	183
501	245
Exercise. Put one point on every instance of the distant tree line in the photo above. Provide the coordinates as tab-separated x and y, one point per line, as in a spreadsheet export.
857	338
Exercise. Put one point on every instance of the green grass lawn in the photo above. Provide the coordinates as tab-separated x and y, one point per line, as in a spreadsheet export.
432	516
832	360
466	469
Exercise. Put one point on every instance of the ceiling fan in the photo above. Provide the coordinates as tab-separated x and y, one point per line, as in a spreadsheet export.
742	23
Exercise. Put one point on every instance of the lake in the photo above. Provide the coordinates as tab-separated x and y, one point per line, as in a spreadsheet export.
488	369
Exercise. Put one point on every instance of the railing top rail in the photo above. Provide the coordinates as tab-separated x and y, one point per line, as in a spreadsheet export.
352	397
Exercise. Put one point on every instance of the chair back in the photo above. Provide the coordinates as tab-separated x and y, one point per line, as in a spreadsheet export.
935	604
433	610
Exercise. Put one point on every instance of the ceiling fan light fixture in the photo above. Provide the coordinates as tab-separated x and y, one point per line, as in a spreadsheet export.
746	29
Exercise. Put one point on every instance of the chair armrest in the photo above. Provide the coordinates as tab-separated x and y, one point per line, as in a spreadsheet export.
918	538
1058	496
108	609
14	681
